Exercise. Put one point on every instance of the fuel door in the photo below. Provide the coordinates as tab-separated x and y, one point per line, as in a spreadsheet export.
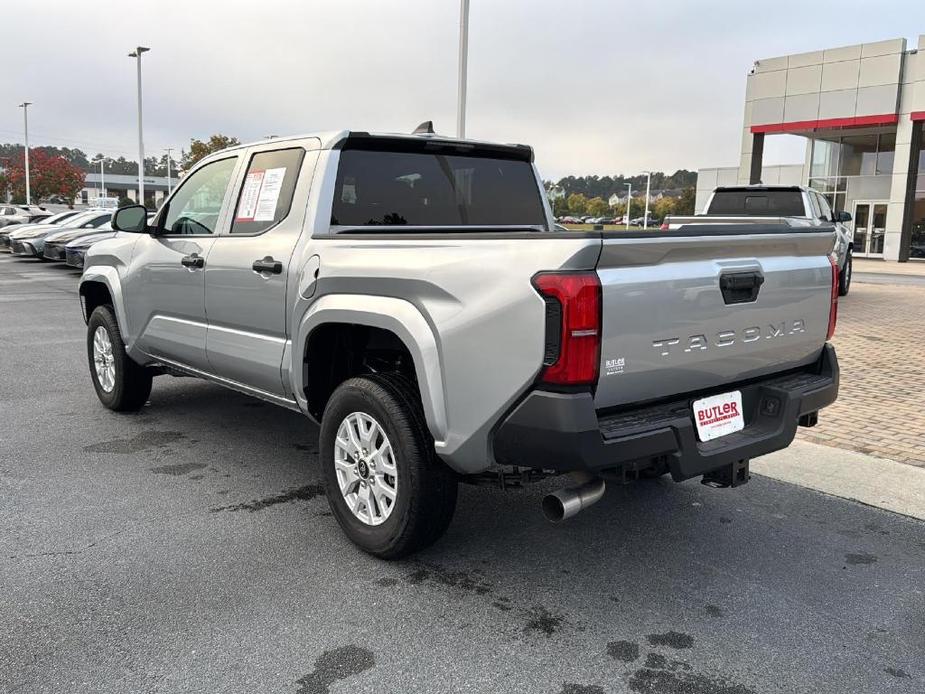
309	277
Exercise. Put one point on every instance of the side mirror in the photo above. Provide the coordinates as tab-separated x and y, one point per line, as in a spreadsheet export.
843	217
133	218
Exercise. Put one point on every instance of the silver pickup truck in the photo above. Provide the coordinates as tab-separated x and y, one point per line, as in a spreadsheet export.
413	296
776	204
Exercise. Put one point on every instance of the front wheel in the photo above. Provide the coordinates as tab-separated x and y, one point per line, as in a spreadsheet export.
844	279
121	384
386	487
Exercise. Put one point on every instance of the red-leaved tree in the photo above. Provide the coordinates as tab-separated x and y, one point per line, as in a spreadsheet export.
49	176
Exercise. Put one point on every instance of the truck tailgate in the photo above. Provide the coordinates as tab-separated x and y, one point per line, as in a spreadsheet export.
670	328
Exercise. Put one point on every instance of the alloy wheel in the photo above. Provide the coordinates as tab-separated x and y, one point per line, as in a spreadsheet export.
103	359
366	468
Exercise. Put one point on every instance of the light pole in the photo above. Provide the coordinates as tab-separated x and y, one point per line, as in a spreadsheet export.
136	54
103	176
463	65
168	150
25	118
645	217
629	199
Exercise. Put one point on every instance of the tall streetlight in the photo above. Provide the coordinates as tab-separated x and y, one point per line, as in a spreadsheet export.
141	143
25	118
629	200
168	150
645	218
463	66
101	160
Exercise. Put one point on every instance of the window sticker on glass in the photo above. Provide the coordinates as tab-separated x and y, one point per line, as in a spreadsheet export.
269	194
249	196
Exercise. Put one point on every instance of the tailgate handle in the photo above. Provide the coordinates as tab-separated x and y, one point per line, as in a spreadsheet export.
740	287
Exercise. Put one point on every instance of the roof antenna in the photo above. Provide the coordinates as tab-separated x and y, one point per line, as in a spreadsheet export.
425	128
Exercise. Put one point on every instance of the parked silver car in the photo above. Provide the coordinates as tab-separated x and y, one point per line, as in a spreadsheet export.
30	242
53	220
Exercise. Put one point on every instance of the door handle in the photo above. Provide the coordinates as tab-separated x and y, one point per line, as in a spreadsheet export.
267	265
193	260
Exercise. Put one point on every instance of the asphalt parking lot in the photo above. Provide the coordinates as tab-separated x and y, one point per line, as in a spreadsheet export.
189	548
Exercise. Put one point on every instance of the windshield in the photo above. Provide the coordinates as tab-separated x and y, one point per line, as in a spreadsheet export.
55	218
759	203
391	188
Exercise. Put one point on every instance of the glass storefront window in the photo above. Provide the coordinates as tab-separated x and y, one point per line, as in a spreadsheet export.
886	148
858	155
824	159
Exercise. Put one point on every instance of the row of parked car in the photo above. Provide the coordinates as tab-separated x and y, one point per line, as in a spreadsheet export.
64	236
636	222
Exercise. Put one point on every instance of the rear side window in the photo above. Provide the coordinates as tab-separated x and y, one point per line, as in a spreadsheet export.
771	203
266	194
394	188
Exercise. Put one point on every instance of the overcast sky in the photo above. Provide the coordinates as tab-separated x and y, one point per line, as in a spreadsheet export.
596	86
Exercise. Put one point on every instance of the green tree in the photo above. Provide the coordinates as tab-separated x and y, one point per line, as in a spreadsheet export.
687	201
577	204
597	207
665	206
199	149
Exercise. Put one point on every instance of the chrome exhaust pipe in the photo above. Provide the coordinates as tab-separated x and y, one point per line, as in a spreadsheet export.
566	502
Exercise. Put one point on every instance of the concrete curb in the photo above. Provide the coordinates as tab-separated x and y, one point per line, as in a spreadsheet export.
873	481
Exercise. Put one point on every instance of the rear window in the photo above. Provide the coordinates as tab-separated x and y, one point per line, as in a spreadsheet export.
772	203
393	188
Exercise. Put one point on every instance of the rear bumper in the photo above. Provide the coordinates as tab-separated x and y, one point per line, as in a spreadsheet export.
563	432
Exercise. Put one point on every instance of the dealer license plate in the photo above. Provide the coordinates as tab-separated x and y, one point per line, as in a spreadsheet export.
718	415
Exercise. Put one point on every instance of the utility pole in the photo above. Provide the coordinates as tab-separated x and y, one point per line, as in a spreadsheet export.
141	143
463	67
25	117
168	150
645	218
102	178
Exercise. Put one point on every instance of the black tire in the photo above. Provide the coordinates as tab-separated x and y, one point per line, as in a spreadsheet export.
132	382
844	277
426	490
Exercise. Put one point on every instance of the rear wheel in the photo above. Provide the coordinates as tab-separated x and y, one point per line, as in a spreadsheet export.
388	490
121	384
844	279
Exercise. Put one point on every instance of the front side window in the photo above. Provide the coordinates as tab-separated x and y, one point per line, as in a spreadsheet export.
397	188
266	194
195	207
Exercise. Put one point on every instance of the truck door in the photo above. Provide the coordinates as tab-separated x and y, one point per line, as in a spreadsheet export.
164	292
249	267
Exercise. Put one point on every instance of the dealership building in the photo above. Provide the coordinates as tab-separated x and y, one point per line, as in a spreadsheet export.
123	186
861	110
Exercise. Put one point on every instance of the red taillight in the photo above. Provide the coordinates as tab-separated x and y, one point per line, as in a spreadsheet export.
574	299
833	307
664	227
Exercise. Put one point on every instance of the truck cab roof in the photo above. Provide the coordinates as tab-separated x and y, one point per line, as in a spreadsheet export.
340	139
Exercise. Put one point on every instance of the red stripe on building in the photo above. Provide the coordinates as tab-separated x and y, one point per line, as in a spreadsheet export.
917	115
825	123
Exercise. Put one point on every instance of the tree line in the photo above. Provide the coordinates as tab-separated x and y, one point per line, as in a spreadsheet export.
579	205
605	186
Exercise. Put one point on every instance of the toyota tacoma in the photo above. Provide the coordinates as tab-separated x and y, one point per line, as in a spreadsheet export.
412	295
